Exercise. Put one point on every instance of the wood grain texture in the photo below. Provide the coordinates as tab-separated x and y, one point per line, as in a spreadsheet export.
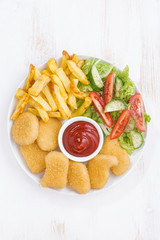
120	31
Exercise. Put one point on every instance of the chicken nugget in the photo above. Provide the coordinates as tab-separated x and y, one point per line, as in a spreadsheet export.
56	170
99	169
48	134
34	157
78	177
25	129
112	147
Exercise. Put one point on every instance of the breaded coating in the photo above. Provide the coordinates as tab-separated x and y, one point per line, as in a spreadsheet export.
78	177
99	169
48	134
34	157
25	129
56	170
112	147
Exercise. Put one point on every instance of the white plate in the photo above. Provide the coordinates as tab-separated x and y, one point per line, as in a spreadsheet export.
113	180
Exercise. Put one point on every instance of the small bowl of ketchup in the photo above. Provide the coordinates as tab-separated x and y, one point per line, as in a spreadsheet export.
80	139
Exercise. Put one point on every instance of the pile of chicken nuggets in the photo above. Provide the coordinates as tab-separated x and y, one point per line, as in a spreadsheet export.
38	142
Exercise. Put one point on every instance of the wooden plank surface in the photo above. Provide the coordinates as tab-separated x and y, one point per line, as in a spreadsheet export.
122	32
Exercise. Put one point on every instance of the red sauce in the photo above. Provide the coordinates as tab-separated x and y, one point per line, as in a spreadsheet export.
80	139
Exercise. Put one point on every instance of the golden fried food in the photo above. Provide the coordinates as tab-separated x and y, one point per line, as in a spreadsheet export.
47	93
65	57
78	177
56	170
80	63
48	134
72	101
34	157
39	85
76	91
99	169
64	79
43	114
20	106
112	147
79	112
29	78
75	58
77	72
60	102
25	129
52	65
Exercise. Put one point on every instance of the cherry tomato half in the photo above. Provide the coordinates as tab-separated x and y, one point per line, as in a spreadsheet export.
120	124
137	111
108	88
98	103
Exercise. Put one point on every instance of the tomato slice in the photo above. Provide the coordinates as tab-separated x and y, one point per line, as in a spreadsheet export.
120	124
99	105
108	88
137	111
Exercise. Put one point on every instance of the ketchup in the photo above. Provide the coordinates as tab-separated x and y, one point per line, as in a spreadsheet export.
80	139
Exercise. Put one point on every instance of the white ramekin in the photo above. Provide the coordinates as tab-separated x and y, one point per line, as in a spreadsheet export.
60	137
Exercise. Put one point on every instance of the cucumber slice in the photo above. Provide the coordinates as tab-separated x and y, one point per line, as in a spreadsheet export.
131	125
118	85
137	139
115	105
95	79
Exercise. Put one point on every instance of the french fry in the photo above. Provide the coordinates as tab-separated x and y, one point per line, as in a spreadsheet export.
77	72
72	101
52	65
77	93
33	111
64	117
37	74
50	114
65	57
29	78
47	72
43	114
20	93
64	79
82	108
67	71
75	58
66	54
80	63
54	114
49	97
42	102
60	102
20	106
38	86
72	77
55	79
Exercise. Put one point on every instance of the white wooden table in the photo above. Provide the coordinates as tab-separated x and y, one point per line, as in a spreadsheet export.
123	32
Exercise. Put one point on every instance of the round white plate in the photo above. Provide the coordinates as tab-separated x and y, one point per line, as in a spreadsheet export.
113	180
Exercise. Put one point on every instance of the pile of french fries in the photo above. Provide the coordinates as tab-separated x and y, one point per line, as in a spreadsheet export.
52	93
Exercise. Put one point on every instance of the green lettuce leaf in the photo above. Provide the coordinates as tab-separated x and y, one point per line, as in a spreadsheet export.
84	88
128	88
116	72
115	115
88	113
147	117
92	113
88	65
125	142
79	102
